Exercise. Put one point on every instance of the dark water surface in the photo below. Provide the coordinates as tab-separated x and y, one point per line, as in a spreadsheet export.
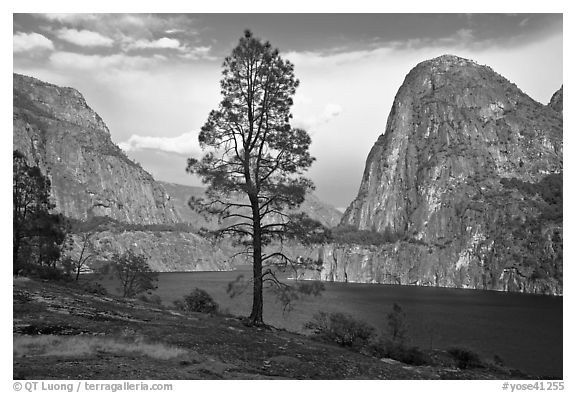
524	330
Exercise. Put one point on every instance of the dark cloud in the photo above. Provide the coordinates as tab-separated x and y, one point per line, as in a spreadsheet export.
298	32
311	32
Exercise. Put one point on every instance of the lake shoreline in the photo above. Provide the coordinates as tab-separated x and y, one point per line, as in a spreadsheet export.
374	283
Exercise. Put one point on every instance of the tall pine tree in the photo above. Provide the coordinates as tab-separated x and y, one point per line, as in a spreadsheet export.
254	160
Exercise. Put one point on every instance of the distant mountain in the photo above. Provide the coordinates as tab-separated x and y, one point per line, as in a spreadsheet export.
180	194
468	174
91	177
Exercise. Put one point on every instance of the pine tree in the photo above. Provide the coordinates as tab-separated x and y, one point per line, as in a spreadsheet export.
254	159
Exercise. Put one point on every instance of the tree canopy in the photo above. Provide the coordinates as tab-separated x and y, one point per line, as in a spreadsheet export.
37	234
134	273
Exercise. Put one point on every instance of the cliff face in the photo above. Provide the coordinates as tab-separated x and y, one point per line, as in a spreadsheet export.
90	175
465	173
556	102
166	251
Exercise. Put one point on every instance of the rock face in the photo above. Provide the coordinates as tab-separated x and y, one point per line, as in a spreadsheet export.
557	100
166	251
320	211
180	195
464	173
56	130
91	177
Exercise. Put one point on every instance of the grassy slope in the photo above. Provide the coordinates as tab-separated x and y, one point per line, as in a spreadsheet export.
61	332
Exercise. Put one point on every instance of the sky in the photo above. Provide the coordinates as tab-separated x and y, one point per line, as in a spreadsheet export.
154	78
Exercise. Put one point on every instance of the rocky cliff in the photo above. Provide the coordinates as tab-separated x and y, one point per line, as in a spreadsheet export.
90	175
468	173
167	251
557	100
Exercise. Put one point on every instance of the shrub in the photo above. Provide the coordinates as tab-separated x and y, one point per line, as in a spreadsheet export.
386	348
340	328
179	305
498	361
197	301
153	299
465	358
45	272
94	287
397	325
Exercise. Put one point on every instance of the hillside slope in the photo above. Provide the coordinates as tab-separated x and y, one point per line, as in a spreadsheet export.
64	332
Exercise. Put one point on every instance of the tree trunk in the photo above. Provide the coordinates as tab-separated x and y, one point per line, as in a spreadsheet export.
256	317
15	250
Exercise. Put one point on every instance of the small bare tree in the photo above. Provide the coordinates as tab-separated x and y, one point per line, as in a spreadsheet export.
87	253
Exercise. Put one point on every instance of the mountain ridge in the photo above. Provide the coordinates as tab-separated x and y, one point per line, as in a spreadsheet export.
92	177
56	130
461	174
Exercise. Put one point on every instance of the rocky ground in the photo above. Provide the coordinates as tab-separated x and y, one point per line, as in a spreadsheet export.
63	332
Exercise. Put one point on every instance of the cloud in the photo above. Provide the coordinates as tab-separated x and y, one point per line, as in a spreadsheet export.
133	32
186	143
464	35
23	42
523	22
319	59
69	18
199	52
84	37
462	39
161	43
329	112
134	26
189	53
72	60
